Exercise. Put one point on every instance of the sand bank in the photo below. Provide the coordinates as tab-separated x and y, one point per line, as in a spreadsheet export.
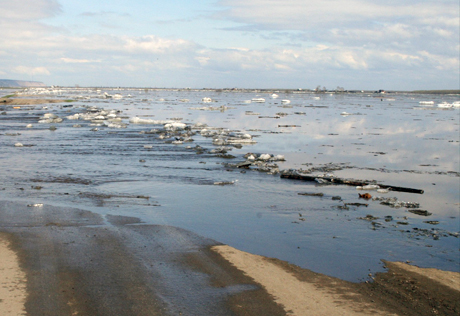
296	296
20	101
403	290
67	261
298	291
447	278
12	285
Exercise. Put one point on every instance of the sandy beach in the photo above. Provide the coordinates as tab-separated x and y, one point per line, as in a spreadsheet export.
58	261
12	290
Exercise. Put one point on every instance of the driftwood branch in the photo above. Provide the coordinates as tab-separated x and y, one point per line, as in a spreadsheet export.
349	182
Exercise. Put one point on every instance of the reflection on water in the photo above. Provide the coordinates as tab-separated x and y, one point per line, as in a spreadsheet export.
393	141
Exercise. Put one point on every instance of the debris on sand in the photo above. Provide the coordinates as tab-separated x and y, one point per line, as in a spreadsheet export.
360	184
225	182
393	202
311	194
368	187
420	212
232	138
357	204
369	217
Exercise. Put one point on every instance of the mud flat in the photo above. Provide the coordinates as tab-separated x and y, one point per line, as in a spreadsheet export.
64	261
26	101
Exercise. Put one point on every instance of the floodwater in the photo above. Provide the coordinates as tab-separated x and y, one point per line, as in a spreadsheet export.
134	171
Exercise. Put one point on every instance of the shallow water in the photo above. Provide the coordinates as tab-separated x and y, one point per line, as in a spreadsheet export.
390	139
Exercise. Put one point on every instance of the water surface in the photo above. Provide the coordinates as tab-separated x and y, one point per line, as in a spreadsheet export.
391	139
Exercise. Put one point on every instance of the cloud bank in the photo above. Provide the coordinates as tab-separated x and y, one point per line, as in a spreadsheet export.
358	44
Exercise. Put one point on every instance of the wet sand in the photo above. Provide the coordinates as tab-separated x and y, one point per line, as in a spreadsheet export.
64	261
403	290
12	287
26	101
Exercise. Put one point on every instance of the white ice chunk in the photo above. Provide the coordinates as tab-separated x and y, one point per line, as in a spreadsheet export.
175	126
265	157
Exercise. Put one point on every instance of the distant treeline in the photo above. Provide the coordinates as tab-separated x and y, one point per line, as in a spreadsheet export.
436	91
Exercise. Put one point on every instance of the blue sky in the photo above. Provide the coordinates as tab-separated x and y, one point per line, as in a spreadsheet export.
355	44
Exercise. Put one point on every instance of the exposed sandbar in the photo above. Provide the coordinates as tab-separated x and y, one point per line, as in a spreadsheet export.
20	101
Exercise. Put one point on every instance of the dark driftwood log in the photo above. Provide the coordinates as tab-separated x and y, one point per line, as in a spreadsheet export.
311	194
244	164
350	182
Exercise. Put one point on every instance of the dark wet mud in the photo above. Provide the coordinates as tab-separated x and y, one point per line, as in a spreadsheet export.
77	262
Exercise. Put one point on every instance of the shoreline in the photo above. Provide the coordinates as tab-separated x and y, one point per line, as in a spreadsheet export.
305	90
305	292
52	264
13	292
25	101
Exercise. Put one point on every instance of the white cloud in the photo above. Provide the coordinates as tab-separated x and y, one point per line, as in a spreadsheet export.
154	44
302	15
359	35
409	24
322	57
290	42
442	21
78	61
103	13
203	60
242	49
440	62
31	70
387	33
127	68
349	59
22	19
28	9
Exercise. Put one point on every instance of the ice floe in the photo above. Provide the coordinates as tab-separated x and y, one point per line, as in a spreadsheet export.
444	105
175	126
426	102
138	120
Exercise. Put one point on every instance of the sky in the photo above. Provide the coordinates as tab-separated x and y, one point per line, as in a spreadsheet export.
290	44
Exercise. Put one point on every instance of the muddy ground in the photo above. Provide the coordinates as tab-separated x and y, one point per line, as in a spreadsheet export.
76	262
26	101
